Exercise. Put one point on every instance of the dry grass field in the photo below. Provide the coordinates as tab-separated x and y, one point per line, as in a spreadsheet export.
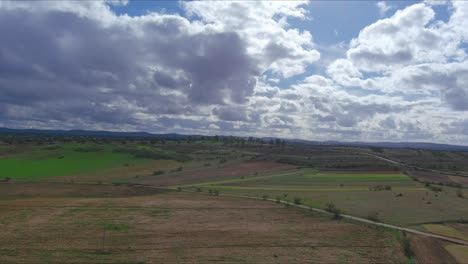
81	226
112	212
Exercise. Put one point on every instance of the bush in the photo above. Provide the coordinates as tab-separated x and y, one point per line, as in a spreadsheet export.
179	189
87	149
460	193
278	199
331	207
216	193
150	154
199	189
373	216
264	197
297	200
158	172
180	169
380	188
6	179
436	189
405	243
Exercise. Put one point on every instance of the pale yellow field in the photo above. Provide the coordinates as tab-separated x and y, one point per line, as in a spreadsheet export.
446	230
460	252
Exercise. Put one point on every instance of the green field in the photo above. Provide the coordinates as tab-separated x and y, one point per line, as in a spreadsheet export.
308	179
66	159
406	202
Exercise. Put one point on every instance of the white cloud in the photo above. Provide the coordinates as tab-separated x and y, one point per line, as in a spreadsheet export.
263	25
383	8
223	68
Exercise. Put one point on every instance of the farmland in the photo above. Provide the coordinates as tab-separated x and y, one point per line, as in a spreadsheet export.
172	227
355	193
107	192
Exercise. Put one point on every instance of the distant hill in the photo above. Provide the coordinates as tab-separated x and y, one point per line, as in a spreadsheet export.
11	131
415	145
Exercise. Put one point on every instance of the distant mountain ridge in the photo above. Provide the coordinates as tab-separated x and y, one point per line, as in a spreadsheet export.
103	133
415	145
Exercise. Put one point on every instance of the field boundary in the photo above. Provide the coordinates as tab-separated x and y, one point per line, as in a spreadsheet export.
322	211
301	206
412	166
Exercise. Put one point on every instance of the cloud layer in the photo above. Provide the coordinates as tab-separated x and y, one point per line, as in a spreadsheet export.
240	68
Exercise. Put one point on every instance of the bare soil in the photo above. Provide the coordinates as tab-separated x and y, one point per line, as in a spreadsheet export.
429	250
370	171
223	172
17	189
179	227
430	177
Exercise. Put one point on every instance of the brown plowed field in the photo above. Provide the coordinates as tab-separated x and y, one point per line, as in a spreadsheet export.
430	251
179	227
218	173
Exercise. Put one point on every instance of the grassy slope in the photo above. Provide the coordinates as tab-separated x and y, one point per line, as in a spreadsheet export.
65	160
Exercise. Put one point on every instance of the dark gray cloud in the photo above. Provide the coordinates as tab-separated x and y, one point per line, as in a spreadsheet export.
231	113
60	65
67	64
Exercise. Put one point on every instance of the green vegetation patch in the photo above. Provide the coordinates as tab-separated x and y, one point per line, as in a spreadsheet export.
114	227
67	160
446	231
307	179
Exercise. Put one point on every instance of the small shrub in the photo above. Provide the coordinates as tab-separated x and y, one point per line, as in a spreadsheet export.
179	189
278	199
380	188
87	149
405	243
374	216
399	195
264	197
216	193
180	169
6	179
460	193
158	172
331	207
297	200
199	189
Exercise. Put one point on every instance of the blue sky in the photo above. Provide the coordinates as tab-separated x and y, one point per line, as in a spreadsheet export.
318	70
331	21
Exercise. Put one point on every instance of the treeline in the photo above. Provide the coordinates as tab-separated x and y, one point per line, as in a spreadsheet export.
164	139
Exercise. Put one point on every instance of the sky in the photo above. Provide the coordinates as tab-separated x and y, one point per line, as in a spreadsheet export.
315	70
